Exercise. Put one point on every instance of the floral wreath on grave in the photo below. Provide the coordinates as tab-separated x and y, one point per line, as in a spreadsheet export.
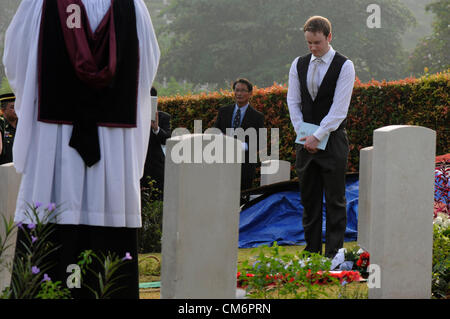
442	187
357	260
319	278
346	266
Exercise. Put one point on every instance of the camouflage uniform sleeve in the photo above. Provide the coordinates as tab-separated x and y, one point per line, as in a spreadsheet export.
2	135
2	126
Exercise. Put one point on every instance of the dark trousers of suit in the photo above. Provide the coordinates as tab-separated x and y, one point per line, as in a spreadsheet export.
319	173
248	172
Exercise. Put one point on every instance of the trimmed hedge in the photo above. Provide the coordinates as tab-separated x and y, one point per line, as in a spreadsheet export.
423	102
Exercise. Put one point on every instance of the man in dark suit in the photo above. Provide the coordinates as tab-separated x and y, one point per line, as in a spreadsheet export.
241	114
154	162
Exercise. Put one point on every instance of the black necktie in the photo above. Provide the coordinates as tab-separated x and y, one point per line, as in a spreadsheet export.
237	119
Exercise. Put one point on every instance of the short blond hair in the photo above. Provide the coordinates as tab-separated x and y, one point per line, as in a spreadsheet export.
318	24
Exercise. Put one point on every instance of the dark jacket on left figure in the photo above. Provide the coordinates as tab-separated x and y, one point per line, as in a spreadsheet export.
252	118
154	162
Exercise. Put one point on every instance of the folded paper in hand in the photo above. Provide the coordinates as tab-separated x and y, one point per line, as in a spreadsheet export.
307	129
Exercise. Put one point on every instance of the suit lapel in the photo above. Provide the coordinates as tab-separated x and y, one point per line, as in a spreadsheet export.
246	121
247	117
229	116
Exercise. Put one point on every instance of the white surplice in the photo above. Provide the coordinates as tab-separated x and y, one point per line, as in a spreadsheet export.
108	193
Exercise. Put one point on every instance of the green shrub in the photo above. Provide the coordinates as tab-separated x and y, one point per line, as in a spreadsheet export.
108	276
30	262
149	235
29	279
53	290
440	285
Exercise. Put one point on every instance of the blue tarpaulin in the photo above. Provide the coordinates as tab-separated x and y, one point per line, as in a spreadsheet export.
279	218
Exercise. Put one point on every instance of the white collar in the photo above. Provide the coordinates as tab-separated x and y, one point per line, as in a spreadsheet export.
327	57
243	108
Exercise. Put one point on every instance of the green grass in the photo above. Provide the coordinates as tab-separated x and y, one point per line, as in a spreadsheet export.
150	269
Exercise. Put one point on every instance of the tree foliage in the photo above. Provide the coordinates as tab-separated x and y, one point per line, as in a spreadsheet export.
7	11
218	41
5	87
433	52
423	26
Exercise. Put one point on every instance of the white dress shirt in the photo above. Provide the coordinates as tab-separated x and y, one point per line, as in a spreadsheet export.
341	99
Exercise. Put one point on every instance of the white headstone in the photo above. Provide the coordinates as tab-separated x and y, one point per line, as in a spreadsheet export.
9	188
200	217
275	171
400	230
364	201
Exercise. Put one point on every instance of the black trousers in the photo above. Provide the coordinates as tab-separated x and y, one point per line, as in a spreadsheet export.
248	172
319	173
74	239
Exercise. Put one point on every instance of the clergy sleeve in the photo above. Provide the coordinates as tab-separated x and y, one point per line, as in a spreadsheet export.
149	54
20	60
19	53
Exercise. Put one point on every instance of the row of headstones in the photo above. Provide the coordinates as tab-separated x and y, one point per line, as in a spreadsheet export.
395	214
9	187
201	215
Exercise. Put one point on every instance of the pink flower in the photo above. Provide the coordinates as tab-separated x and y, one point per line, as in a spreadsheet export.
46	278
127	256
51	207
35	270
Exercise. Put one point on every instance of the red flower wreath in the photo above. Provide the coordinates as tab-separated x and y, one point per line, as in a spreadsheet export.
363	260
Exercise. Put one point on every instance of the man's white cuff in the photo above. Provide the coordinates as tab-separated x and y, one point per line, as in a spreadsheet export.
320	133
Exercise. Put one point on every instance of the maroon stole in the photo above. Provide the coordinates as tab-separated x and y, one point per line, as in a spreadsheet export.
88	79
94	64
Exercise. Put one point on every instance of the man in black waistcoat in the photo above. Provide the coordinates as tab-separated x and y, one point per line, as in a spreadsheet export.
320	90
154	162
241	115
